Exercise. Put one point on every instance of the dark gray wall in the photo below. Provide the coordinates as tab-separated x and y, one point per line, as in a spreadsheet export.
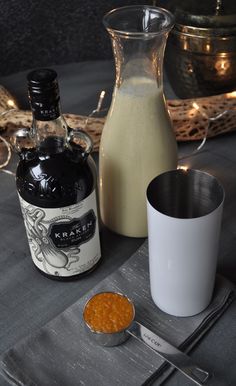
37	33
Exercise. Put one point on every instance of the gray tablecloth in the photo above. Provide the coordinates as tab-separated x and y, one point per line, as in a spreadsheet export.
61	353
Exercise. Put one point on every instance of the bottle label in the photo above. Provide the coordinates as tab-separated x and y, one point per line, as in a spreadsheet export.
63	241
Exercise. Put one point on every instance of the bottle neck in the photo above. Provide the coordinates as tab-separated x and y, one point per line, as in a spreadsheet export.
49	127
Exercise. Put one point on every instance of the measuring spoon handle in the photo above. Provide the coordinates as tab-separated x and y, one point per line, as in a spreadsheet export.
171	354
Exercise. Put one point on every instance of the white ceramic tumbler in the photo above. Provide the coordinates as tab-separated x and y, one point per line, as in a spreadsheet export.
184	210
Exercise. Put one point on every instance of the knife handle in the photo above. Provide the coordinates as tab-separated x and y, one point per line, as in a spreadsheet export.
171	354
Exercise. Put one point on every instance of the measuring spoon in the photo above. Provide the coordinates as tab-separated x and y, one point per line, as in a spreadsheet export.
160	346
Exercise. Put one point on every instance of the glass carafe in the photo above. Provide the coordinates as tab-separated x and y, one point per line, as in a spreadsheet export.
137	141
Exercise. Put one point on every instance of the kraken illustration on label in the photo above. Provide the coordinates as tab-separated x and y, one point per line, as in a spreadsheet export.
63	241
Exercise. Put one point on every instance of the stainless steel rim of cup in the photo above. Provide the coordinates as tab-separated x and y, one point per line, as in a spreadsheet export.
185	194
109	339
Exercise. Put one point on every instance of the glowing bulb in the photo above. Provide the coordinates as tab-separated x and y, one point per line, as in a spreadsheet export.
196	106
11	103
101	97
231	94
183	167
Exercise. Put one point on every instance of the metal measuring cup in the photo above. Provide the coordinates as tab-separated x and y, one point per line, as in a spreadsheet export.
164	349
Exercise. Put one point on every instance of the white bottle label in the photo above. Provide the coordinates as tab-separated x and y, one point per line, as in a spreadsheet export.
63	241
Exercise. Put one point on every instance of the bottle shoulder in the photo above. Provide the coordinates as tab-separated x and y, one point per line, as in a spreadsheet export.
54	180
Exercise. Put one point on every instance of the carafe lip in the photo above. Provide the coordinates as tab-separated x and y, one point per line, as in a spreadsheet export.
166	27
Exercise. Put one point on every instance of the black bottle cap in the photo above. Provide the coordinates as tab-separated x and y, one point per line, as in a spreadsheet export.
43	82
43	79
44	93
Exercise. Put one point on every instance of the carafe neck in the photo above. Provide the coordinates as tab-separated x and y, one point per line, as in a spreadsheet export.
138	35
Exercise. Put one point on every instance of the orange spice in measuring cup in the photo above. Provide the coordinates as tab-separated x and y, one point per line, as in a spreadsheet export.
108	312
107	315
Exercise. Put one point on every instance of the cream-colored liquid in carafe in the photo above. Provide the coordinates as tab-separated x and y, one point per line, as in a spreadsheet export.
137	144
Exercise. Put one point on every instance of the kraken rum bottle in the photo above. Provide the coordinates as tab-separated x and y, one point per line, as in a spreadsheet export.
56	184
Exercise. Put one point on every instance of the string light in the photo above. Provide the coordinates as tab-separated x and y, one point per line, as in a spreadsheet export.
12	104
195	105
199	147
231	94
98	108
183	167
209	120
2	165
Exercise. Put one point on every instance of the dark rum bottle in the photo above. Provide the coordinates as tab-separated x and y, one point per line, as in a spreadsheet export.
56	184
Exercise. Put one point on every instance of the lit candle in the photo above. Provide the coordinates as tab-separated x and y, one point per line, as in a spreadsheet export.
222	65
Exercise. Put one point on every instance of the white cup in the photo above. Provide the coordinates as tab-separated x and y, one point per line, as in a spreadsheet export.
184	210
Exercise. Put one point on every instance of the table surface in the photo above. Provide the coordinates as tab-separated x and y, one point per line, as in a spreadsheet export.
29	300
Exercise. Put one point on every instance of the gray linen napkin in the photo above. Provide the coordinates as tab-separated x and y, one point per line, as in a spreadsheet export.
61	353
